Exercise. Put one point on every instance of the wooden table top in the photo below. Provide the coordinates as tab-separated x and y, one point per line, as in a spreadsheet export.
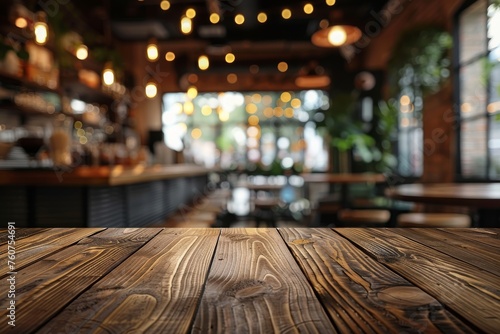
99	176
265	280
342	177
479	195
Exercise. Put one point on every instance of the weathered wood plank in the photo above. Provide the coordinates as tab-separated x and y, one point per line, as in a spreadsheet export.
362	295
47	286
37	246
470	292
487	236
255	286
454	245
156	290
20	233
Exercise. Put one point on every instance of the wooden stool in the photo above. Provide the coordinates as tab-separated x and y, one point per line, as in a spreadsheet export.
417	219
366	217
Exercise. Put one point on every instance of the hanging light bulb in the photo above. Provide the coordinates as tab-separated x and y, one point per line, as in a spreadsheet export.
203	62
108	75
151	90
337	35
186	25
41	29
82	52
152	50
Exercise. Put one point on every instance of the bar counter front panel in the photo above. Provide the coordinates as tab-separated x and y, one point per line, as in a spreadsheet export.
100	196
286	280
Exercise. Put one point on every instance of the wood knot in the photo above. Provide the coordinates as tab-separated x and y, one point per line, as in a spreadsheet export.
405	296
248	289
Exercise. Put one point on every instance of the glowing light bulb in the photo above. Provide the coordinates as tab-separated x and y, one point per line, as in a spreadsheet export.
337	36
169	56
151	90
82	52
214	18
108	76
152	52
203	62
186	25
230	58
262	17
41	32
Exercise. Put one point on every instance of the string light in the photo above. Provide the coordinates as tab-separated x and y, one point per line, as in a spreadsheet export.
239	19
151	90
286	13
262	17
152	50
203	62
165	5
214	18
308	8
186	25
191	13
230	58
282	67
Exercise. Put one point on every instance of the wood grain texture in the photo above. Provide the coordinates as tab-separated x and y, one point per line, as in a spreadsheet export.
20	233
46	287
40	245
490	237
156	290
255	286
362	295
454	245
470	292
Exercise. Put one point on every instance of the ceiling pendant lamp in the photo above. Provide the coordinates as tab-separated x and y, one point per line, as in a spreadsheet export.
152	50
335	36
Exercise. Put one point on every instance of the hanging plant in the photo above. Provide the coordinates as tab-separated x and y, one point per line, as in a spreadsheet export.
420	60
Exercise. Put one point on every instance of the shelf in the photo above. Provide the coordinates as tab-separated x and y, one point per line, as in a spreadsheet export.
25	110
21	82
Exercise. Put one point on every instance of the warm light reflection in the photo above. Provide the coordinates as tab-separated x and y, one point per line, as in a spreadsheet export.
285	97
188	107
296	103
253	120
21	23
196	133
192	92
203	62
108	76
308	8
186	25
41	32
232	78
214	18
206	110
262	17
286	13
251	108
169	56
239	19
82	52
165	5
151	90
230	58
404	100
191	13
152	52
282	67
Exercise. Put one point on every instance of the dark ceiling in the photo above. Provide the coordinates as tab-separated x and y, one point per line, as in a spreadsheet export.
134	20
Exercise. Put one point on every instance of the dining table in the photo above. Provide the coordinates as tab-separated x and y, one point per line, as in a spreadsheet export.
344	180
249	280
482	198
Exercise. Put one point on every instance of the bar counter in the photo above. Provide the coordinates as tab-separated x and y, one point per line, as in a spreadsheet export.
286	280
98	196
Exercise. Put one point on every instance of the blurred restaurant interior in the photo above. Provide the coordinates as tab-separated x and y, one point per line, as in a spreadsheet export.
230	113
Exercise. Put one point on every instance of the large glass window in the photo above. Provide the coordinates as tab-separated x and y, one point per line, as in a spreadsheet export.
478	73
248	130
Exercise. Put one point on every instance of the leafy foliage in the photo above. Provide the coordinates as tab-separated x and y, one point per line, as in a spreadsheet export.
420	60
